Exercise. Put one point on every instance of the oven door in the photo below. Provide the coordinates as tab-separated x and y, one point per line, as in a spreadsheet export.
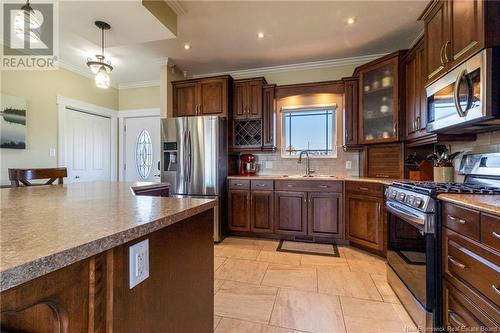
407	249
458	98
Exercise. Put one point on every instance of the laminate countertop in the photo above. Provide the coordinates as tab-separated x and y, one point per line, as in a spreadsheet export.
45	228
385	181
482	202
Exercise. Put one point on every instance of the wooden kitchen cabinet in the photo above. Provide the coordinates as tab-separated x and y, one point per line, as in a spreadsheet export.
239	210
364	216
379	99
350	115
202	97
262	211
415	97
268	117
455	30
247	101
324	214
384	161
290	212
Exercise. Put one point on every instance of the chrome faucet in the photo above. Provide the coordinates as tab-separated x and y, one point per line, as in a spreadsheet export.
308	163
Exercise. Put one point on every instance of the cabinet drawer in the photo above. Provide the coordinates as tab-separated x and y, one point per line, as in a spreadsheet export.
474	264
490	231
459	310
462	220
239	184
308	186
365	188
262	185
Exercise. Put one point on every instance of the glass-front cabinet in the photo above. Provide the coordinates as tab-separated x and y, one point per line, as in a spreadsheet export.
379	101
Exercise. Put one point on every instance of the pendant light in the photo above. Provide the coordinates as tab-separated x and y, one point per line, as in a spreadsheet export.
26	22
100	66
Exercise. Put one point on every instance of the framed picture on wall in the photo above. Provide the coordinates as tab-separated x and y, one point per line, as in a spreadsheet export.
13	122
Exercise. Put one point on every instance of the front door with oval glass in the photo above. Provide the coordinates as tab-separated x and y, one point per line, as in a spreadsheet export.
142	149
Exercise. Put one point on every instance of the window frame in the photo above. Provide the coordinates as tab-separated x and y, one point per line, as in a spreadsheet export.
302	108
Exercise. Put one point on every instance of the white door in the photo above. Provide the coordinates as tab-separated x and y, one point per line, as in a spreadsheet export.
141	149
87	144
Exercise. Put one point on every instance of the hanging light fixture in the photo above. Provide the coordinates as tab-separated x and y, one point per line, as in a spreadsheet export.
100	66
26	22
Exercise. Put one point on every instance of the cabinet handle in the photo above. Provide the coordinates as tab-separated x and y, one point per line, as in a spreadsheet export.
454	317
419	125
446	59
364	188
456	219
495	289
201	107
456	263
494	234
290	185
238	184
261	185
346	134
324	186
381	176
441	54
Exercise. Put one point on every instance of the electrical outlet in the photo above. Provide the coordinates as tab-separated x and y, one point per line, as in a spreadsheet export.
138	263
52	152
269	165
348	165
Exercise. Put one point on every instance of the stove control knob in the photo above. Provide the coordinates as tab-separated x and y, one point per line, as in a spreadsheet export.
394	193
410	199
401	196
418	202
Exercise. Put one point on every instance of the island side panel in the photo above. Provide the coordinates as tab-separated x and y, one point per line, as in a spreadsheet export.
178	295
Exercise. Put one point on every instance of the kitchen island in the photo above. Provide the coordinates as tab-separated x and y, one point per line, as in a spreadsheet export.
64	260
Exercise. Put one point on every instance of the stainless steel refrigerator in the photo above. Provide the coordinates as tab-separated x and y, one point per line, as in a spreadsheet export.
194	160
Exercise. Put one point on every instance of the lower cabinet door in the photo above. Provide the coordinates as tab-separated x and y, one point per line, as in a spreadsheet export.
324	214
261	211
365	221
239	210
290	212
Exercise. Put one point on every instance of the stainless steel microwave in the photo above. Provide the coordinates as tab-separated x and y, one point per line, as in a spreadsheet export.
466	99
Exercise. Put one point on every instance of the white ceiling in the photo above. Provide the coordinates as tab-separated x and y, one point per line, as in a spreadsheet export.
223	34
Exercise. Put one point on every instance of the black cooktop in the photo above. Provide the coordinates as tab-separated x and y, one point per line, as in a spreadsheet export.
433	188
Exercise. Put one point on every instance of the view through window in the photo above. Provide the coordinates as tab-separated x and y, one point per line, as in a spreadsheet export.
311	129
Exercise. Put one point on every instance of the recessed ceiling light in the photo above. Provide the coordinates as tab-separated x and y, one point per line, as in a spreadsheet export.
260	35
187	46
351	20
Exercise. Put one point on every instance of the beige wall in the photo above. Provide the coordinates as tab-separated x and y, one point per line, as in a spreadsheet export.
310	75
139	98
40	89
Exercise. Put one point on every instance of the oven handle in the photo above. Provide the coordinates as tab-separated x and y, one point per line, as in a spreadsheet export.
456	93
406	215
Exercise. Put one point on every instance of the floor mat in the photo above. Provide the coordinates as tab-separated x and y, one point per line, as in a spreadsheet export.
308	248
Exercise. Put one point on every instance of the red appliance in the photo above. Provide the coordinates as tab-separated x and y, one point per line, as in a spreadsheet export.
248	166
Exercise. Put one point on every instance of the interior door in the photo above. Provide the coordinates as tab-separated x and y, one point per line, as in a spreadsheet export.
87	145
141	149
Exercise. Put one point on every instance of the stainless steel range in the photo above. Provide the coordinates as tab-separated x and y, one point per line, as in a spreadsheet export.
414	234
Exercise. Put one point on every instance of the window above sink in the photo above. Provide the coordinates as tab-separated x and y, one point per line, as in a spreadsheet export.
311	128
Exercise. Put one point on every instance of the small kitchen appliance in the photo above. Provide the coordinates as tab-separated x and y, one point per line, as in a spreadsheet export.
248	167
414	234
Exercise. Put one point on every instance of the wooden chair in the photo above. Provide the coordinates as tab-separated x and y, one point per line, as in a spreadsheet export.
23	176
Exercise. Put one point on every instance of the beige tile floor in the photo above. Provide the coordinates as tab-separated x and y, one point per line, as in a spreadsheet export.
259	290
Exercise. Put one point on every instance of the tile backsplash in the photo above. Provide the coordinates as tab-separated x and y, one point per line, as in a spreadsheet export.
485	143
274	164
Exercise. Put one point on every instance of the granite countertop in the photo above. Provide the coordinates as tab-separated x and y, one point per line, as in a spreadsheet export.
482	202
45	228
385	181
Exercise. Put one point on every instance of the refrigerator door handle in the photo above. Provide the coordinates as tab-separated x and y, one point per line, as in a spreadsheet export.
190	156
184	158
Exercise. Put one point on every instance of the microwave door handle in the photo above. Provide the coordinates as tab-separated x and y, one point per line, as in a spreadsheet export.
456	93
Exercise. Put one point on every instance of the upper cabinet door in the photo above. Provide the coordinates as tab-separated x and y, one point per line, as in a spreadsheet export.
467	29
185	99
350	135
213	97
436	40
240	100
268	118
379	102
254	107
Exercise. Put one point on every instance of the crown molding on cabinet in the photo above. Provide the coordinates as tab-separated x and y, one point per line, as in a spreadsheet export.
300	66
177	7
415	41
